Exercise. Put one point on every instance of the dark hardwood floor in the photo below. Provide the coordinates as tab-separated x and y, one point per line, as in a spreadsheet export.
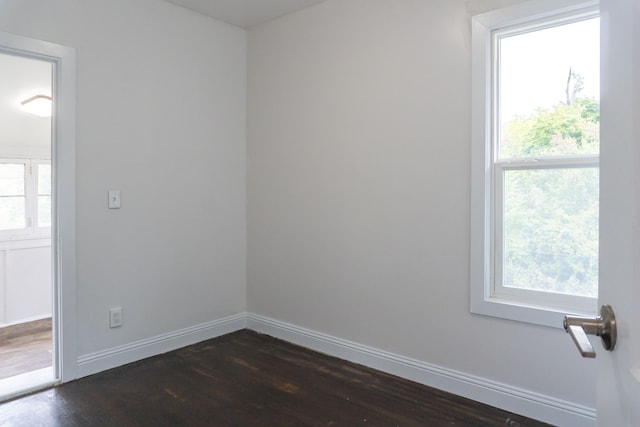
248	379
25	347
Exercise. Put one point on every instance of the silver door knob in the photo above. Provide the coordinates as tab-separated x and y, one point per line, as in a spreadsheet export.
603	326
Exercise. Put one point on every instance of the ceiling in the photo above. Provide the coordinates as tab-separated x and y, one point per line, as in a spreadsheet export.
245	13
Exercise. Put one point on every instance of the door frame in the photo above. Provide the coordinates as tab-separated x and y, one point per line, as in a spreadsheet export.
63	239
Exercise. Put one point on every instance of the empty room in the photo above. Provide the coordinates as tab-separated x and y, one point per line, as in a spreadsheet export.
320	212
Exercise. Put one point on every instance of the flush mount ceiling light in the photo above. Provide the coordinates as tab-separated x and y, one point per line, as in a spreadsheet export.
40	105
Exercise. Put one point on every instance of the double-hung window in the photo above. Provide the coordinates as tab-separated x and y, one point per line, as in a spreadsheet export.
535	157
25	198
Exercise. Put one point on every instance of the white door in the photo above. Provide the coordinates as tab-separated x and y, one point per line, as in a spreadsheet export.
619	370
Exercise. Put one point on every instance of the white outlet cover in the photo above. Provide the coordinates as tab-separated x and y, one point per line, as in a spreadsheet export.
115	317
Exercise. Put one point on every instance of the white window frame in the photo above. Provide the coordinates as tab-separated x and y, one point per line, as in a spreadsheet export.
31	229
35	172
486	173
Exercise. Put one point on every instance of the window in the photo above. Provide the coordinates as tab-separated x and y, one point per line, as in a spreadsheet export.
43	210
25	198
535	158
13	197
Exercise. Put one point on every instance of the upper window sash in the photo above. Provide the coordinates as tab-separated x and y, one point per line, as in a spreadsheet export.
495	77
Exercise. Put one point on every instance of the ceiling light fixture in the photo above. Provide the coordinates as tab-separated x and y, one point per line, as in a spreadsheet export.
40	105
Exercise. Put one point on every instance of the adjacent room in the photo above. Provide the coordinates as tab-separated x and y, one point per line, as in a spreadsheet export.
26	302
232	204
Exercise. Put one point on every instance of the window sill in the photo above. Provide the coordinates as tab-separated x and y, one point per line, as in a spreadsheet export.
515	310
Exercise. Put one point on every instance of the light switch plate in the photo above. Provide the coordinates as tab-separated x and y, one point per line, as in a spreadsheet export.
114	199
115	317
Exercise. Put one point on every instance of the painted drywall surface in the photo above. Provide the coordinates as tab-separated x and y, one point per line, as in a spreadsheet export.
358	189
161	116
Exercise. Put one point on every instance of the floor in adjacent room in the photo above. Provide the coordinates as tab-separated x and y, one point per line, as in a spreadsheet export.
248	379
25	347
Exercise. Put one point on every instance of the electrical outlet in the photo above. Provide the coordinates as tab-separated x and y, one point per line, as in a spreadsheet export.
115	317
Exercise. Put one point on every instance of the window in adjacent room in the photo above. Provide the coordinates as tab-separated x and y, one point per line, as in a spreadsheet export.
25	198
43	208
535	155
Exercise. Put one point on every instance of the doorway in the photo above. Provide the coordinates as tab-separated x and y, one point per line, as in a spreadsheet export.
26	285
37	212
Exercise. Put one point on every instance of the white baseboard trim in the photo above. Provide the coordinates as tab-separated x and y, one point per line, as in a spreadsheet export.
520	401
92	363
26	320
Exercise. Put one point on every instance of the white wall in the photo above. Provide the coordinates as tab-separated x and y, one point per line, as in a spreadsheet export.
161	100
359	187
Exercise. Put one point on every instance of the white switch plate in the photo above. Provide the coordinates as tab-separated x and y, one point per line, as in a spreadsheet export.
115	317
114	199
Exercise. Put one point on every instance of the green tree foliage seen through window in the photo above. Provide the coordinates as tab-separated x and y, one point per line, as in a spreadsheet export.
551	215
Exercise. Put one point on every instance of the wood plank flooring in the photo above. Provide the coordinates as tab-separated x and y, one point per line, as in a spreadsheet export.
25	347
248	379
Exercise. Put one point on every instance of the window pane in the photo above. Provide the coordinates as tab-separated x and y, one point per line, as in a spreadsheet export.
549	91
11	179
12	213
44	179
551	230
44	211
